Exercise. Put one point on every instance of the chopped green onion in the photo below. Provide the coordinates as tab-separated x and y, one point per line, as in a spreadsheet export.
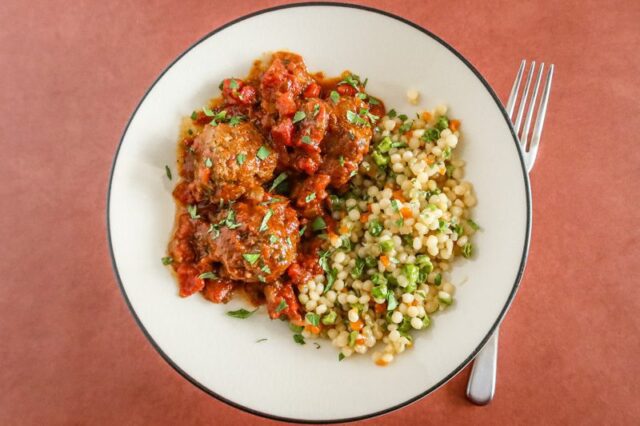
380	159
411	272
208	163
310	197
167	260
384	145
207	112
442	123
356	271
392	303
375	228
240	158
263	152
306	139
335	96
467	250
330	318
445	297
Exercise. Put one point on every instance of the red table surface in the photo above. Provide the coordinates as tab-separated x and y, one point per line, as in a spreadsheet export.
71	75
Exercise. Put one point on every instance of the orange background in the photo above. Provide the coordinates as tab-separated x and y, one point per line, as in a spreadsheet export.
72	72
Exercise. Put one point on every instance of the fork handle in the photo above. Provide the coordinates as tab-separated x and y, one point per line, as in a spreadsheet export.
482	382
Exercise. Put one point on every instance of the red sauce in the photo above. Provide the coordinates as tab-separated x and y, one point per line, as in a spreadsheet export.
238	222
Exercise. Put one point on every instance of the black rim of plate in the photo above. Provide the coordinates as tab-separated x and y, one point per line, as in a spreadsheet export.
516	284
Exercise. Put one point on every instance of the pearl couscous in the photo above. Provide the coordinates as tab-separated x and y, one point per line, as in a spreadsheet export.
399	228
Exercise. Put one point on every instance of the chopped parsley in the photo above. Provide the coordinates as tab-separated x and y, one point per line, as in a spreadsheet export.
373	101
318	224
438	279
395	205
167	260
341	161
252	258
233	84
273	239
392	303
341	356
235	120
281	306
356	119
301	233
406	126
263	152
208	276
207	112
240	158
241	313
352	80
168	171
306	139
193	211
316	109
266	269
299	116
194	115
473	225
335	96
278	180
313	319
298	339
392	113
310	197
265	221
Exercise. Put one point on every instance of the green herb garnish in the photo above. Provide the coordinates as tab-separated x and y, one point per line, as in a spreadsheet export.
193	211
298	339
318	224
265	221
278	180
167	260
299	116
335	96
281	306
252	258
241	313
313	319
240	158
310	197
168	172
207	276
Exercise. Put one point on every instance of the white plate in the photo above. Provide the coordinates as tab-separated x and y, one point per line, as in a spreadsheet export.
278	378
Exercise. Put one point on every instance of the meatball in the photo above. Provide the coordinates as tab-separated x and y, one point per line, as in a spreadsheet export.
347	140
255	241
229	160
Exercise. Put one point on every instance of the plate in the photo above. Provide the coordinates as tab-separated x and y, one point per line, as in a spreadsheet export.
277	378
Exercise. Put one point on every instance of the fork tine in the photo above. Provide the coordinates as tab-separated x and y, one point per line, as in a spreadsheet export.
523	101
532	105
514	90
542	112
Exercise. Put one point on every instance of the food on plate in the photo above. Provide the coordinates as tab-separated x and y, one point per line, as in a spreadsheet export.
304	194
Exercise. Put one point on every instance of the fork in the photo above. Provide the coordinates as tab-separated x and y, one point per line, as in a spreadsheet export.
482	381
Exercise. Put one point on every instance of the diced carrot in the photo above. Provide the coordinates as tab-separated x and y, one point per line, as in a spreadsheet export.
343	229
406	212
409	133
398	195
454	125
356	325
312	329
384	260
380	362
431	159
360	341
381	308
333	237
364	217
426	116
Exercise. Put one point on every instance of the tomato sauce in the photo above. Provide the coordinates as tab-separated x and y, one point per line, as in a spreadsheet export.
256	167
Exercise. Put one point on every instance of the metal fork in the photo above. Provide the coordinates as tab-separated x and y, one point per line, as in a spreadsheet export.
482	382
